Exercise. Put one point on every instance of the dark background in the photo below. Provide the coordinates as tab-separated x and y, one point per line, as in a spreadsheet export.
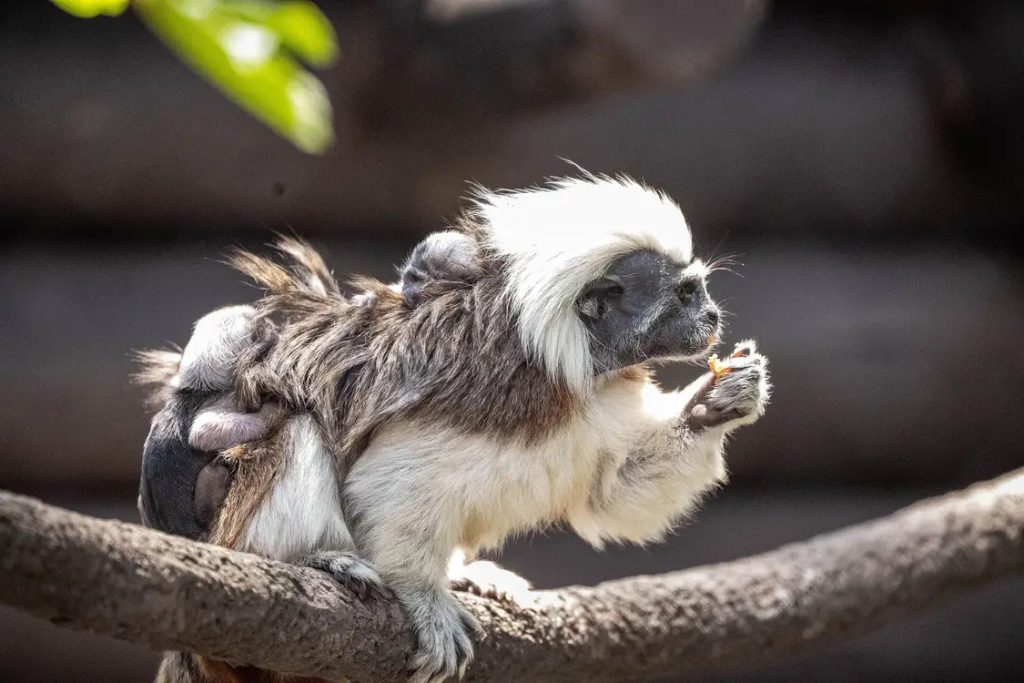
865	160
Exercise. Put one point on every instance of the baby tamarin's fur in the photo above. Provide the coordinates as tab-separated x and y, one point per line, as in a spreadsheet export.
513	398
183	479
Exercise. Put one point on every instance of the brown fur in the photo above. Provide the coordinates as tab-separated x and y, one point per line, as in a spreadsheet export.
221	672
456	358
307	272
634	373
257	465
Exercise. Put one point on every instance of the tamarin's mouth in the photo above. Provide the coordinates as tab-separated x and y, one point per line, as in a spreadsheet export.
710	343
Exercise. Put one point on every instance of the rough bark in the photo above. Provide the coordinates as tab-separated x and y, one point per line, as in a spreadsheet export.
168	593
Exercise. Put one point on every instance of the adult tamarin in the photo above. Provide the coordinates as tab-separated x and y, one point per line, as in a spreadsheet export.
513	398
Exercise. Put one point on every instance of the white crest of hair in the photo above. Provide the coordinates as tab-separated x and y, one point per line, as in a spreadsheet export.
563	235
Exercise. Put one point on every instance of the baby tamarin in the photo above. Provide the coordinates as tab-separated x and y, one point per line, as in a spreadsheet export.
183	480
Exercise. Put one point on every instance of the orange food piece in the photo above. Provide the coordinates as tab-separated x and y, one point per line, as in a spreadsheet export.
718	368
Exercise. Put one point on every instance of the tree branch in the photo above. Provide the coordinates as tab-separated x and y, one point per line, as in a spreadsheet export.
169	593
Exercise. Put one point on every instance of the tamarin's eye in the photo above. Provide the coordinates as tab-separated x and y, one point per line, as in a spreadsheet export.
603	289
593	303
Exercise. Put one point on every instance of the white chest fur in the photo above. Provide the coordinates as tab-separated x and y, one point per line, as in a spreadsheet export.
464	490
491	488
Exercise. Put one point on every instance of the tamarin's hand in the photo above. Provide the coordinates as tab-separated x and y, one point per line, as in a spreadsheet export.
739	393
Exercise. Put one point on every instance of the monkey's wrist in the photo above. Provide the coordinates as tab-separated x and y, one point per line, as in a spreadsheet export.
702	417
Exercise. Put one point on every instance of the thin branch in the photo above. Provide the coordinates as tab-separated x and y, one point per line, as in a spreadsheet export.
168	593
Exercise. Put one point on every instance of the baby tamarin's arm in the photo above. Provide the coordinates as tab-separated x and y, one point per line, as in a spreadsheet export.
221	425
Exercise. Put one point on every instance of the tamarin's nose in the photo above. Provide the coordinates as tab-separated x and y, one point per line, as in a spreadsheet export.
712	315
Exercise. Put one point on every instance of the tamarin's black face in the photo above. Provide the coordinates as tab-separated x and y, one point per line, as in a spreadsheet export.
645	307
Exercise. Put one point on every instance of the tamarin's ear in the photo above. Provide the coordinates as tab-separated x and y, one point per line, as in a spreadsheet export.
447	257
593	302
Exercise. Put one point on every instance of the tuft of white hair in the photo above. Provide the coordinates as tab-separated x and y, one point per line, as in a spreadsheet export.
559	237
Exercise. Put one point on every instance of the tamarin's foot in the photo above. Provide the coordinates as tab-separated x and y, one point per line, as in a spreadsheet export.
488	580
351	571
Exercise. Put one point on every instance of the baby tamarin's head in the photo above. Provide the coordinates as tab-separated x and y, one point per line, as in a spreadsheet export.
441	260
210	358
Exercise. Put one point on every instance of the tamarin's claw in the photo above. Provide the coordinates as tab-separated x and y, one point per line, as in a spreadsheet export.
351	571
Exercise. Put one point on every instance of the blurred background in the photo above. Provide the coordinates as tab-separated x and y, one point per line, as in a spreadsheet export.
864	159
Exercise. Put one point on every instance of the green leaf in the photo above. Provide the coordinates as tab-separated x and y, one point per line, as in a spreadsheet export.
87	9
245	49
301	26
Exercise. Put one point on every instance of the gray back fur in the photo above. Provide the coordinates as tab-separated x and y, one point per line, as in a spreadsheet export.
455	358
